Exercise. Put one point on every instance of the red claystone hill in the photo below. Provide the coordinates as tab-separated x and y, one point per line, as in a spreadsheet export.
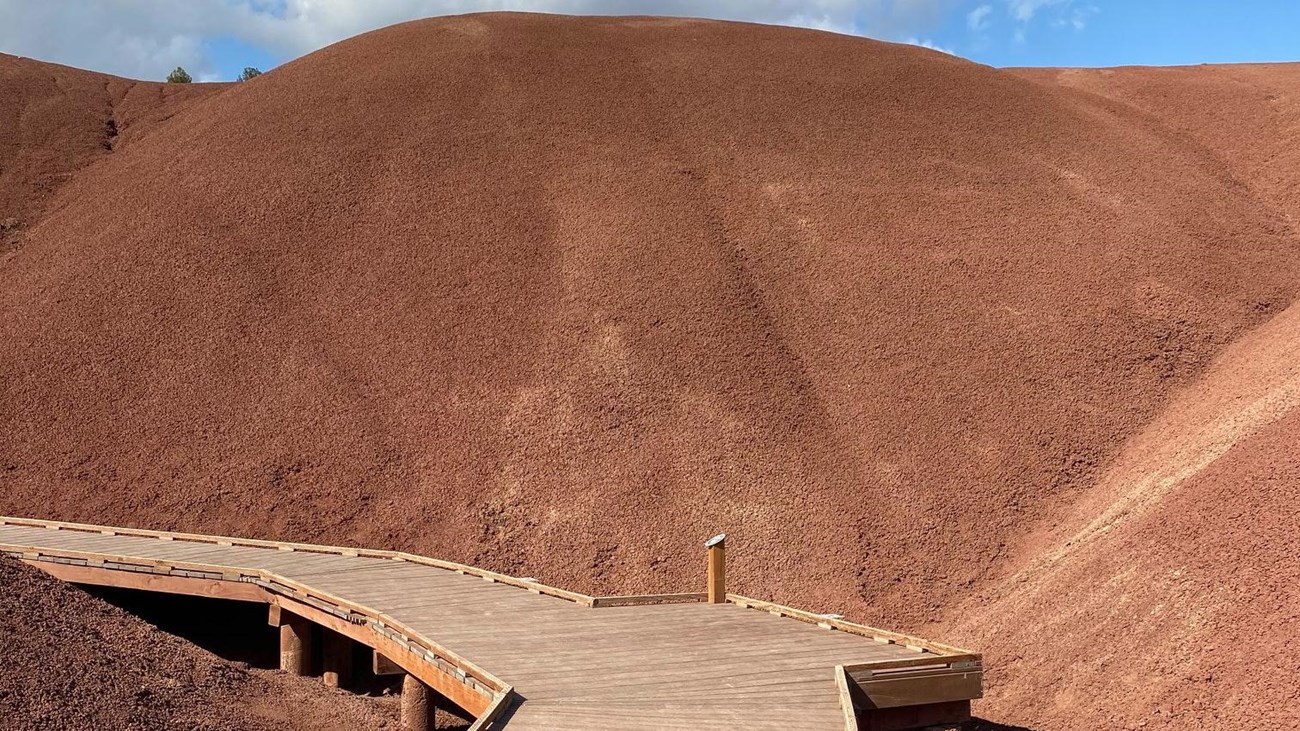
565	296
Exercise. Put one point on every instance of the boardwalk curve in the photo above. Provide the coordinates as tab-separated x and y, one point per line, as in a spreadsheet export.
518	654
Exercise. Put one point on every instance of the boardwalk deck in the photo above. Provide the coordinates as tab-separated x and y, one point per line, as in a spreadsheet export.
535	657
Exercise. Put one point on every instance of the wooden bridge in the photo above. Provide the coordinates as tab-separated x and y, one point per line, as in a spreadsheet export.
512	652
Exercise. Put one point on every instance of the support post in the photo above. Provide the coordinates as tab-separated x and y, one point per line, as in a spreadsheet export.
418	708
295	641
337	659
716	549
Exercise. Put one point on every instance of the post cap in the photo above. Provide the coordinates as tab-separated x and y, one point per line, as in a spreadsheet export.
716	540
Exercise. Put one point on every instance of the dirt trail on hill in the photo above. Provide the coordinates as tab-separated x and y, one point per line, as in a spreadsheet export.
562	297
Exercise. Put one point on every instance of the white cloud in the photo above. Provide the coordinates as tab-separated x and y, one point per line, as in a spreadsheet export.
1065	13
978	19
148	38
1079	16
1023	10
927	43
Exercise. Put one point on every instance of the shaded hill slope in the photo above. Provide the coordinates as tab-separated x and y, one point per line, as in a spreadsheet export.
563	296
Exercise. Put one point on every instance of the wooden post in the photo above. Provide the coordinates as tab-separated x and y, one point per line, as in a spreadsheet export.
295	641
337	660
717	554
418	709
295	647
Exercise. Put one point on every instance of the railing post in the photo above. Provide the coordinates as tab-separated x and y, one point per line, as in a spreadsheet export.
716	549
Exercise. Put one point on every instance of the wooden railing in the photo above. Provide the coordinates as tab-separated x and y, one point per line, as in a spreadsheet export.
641	600
529	584
828	621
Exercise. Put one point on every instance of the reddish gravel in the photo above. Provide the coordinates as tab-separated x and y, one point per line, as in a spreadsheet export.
565	296
97	667
1183	617
1245	115
1164	597
55	120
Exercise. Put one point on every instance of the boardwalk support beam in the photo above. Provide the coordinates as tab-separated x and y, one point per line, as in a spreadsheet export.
716	547
295	641
337	659
418	709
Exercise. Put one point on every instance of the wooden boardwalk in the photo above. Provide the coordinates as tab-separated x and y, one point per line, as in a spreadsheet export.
515	653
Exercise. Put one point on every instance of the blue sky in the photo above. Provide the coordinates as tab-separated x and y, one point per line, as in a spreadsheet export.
1130	32
216	39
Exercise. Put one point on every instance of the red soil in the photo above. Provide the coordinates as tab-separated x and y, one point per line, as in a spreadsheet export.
1164	597
55	120
565	296
101	668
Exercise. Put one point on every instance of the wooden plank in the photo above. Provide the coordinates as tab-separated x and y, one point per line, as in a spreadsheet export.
66	542
907	689
315	593
375	572
284	563
637	600
493	576
194	537
663	668
371	578
942	661
846	699
500	703
123	558
455	659
718	652
239	591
